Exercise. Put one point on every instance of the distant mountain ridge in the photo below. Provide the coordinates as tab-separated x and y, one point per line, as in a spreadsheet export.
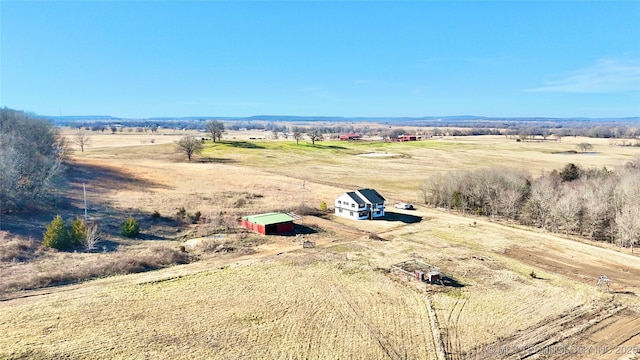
294	118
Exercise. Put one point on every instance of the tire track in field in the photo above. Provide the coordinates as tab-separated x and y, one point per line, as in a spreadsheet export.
352	313
536	341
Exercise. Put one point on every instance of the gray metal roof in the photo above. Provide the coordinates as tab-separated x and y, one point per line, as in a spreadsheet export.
355	197
371	195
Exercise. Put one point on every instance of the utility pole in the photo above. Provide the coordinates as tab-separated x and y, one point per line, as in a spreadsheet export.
303	181
84	189
302	208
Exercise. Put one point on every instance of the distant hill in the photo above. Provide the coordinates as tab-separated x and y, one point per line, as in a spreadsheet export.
418	121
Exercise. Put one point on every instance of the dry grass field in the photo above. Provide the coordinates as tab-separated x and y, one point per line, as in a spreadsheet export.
272	299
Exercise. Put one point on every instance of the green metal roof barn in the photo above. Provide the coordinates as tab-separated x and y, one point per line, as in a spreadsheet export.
269	223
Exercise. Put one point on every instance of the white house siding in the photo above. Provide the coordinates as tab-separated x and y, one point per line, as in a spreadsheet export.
346	206
356	205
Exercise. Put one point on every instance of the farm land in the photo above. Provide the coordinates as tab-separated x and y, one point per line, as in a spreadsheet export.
520	291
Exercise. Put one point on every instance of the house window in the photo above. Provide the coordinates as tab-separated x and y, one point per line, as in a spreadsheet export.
353	205
339	202
340	210
350	213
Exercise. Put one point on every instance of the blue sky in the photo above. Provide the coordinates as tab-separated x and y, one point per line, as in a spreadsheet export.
333	58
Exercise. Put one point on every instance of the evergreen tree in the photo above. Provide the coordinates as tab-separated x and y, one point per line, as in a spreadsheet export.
130	227
78	231
57	235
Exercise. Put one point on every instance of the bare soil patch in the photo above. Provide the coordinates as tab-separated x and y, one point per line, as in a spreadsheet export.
584	268
614	338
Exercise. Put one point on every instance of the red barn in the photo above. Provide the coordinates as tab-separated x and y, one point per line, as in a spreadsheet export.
269	223
351	136
409	138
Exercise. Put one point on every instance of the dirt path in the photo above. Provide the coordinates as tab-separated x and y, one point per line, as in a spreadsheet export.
576	259
590	326
547	339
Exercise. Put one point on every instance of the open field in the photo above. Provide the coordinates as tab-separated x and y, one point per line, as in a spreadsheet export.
337	300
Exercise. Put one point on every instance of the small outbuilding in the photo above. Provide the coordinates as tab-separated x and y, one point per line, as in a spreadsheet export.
269	223
350	137
409	138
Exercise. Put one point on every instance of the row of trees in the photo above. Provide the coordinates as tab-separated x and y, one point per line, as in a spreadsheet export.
517	128
59	235
114	129
32	153
600	204
190	145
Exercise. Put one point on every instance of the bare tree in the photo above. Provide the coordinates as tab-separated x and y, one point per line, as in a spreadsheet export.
544	192
82	139
434	191
584	147
628	225
216	129
189	145
449	191
297	134
599	207
91	237
558	135
515	190
393	134
567	210
32	152
314	135
627	198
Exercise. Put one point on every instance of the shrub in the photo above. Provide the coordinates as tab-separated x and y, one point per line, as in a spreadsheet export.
78	231
181	214
15	249
570	172
195	217
57	235
155	215
374	236
91	238
323	206
308	210
239	203
130	227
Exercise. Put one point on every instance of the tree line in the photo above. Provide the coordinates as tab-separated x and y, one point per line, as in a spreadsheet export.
32	155
599	204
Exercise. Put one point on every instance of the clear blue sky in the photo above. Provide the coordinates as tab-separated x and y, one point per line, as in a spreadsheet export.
383	58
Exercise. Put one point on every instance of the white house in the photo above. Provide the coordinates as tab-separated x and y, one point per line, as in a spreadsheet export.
361	204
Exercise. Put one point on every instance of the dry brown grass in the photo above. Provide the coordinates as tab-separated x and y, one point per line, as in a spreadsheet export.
329	302
15	249
53	268
307	306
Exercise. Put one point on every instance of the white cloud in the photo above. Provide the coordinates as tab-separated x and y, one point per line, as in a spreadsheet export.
605	76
